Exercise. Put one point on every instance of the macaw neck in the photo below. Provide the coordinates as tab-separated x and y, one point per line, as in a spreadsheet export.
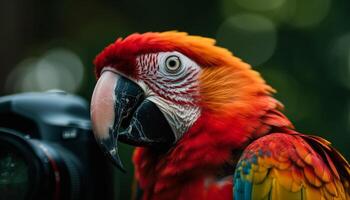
212	143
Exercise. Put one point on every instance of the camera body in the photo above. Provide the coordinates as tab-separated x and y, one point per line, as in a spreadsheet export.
47	149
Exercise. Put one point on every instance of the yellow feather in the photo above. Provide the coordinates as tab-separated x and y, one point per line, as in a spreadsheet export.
261	191
285	178
279	192
259	176
331	189
313	193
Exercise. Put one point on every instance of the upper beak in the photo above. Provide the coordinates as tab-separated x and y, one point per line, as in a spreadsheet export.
120	111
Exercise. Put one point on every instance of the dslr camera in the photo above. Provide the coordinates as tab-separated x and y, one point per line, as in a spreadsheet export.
47	149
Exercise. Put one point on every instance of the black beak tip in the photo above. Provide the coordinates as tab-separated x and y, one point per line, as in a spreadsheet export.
110	148
114	157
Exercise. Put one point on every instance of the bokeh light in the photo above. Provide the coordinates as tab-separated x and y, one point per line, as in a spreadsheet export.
260	5
309	13
249	36
295	13
340	60
58	68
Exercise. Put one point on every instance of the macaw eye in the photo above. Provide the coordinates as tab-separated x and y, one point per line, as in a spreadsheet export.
173	64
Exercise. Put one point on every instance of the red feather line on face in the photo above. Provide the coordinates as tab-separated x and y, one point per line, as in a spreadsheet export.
182	90
148	63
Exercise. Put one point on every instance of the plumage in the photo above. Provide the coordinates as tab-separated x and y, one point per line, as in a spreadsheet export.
241	143
262	160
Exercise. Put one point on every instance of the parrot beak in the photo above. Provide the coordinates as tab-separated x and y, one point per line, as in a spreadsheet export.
120	112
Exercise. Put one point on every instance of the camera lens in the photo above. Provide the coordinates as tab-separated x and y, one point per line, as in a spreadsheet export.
14	178
18	166
32	169
47	149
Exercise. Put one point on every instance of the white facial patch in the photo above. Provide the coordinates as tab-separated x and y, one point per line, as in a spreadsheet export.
180	117
170	80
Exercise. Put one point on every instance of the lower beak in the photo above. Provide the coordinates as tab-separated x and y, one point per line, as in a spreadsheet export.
120	111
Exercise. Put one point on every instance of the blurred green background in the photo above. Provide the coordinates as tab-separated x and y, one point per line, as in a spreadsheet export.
302	48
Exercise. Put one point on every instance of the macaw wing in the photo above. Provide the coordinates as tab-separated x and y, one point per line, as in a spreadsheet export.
291	166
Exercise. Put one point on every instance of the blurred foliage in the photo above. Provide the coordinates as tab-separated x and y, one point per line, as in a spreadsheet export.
302	48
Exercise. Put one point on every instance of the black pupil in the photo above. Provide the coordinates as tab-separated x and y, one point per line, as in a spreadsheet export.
172	63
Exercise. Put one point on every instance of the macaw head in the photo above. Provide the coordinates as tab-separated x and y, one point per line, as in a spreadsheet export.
153	87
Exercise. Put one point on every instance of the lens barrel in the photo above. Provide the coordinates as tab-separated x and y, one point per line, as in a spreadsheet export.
33	169
48	151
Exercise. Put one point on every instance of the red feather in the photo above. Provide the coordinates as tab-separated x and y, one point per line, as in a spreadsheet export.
202	152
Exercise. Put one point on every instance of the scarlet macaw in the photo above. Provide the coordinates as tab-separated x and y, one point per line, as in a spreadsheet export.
205	125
